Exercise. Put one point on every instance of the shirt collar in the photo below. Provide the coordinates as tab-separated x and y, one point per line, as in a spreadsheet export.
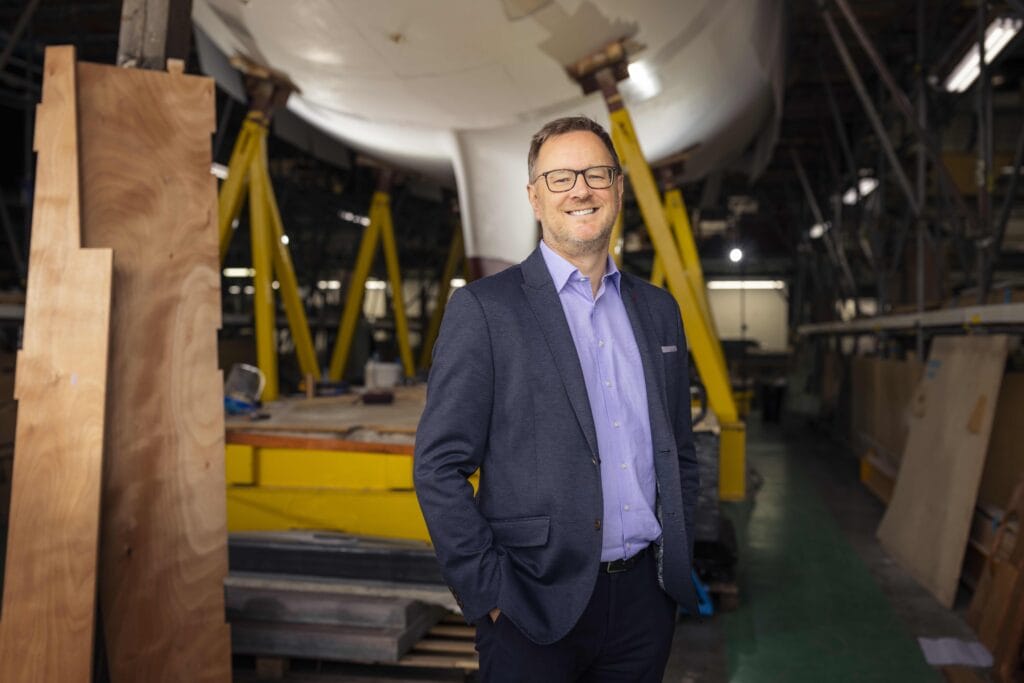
562	271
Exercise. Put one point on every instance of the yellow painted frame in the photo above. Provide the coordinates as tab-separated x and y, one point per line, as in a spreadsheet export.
247	170
380	228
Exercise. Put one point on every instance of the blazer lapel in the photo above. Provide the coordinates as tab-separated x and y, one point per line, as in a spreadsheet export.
547	307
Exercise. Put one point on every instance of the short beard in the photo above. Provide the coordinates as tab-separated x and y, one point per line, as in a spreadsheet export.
577	247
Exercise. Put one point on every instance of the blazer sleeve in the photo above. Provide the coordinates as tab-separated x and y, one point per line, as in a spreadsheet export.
451	441
683	428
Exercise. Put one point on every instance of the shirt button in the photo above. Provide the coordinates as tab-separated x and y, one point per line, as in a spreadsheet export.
607	383
597	524
623	466
600	342
625	507
615	424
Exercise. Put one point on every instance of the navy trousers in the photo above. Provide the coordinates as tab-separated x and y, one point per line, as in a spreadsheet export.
624	636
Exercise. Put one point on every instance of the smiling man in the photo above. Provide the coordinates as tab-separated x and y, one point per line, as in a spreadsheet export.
565	382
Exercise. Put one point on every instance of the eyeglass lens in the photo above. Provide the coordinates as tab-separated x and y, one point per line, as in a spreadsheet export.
596	177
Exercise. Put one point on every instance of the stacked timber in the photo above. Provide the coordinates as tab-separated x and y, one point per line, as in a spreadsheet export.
289	617
330	596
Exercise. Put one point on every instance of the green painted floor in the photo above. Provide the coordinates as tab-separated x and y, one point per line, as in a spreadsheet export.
810	609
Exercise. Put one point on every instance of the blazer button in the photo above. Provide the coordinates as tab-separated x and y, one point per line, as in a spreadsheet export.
597	524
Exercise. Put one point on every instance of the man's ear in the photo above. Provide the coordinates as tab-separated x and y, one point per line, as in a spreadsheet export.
531	194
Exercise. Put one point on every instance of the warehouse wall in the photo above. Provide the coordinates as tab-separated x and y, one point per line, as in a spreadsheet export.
765	313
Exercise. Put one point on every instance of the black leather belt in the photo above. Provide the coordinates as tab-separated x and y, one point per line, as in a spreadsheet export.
625	564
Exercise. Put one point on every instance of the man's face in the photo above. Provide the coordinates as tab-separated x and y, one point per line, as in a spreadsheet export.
579	221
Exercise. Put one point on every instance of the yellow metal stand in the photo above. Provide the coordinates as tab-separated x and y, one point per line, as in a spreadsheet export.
603	72
380	228
247	170
456	258
358	492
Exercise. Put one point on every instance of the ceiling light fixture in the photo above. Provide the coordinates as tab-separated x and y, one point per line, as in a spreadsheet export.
746	284
865	185
997	36
735	254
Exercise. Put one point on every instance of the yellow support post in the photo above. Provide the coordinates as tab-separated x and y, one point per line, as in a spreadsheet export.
456	256
285	271
615	245
703	342
397	292
232	190
658	273
356	289
263	297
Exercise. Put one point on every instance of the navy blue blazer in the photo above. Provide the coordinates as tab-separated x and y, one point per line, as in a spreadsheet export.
506	395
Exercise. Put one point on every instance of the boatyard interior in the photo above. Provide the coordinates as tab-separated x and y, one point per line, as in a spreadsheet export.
229	230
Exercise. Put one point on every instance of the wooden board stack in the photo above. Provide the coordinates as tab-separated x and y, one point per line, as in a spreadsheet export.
997	609
927	523
148	193
46	630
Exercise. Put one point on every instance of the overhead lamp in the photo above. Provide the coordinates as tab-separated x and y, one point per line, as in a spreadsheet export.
219	170
239	272
373	283
997	36
865	186
818	230
642	84
354	218
735	254
746	284
328	284
457	282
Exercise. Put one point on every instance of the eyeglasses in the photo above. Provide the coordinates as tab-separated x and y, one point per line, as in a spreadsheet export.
564	179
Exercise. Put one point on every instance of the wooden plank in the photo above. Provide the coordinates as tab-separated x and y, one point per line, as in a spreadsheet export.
316	607
462	647
1004	464
996	611
249	438
328	642
453	631
46	630
148	193
927	523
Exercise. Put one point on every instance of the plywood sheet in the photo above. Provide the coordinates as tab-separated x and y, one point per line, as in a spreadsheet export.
46	628
148	193
927	523
1004	465
880	400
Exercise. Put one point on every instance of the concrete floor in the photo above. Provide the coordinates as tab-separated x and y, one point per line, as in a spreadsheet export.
819	598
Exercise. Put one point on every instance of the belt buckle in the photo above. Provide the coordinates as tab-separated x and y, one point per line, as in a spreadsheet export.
619	566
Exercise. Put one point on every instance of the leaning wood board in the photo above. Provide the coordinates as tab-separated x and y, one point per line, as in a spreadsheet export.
927	523
148	193
46	629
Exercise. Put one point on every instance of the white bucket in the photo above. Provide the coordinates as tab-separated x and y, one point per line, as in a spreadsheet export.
380	375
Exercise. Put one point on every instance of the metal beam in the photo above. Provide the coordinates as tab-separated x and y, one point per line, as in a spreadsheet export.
902	103
19	27
869	109
153	31
964	318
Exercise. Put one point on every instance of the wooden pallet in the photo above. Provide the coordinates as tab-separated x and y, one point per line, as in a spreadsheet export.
447	651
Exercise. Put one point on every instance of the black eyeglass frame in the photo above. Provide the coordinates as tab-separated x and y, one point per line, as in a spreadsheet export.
615	171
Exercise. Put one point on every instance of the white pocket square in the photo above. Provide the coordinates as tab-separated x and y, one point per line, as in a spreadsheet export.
669	349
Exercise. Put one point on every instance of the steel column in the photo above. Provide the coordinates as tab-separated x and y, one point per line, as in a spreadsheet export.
294	308
701	339
263	298
397	292
869	109
901	100
356	288
456	256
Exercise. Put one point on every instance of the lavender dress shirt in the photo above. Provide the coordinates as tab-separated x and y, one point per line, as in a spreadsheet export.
617	392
